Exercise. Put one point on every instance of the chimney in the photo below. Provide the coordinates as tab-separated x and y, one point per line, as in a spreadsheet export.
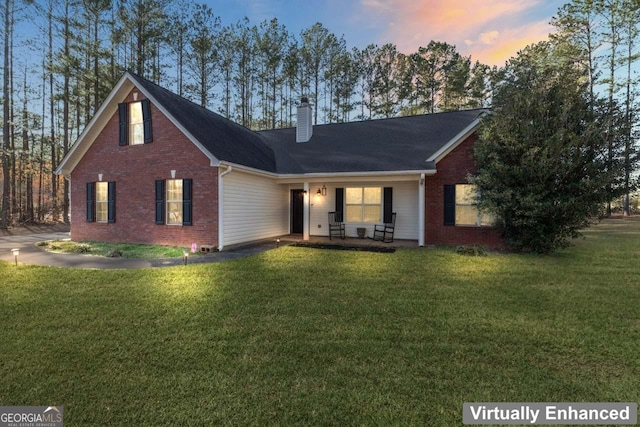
304	127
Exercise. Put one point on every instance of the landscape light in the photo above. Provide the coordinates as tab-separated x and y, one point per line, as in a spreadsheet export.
16	252
185	256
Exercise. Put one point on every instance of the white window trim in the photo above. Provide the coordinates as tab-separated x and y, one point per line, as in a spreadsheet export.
363	204
479	215
167	201
131	123
99	202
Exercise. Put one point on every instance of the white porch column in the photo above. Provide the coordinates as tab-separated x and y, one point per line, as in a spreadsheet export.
305	213
421	211
221	206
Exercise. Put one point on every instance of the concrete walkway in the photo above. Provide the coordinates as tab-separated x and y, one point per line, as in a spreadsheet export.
30	254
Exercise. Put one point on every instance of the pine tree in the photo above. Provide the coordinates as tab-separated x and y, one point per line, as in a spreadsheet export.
202	58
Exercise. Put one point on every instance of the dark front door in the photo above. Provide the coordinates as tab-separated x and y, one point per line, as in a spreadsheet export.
297	209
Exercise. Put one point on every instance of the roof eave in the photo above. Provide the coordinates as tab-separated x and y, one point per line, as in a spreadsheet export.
108	108
94	127
456	140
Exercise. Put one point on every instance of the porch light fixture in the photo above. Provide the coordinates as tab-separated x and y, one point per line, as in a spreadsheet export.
15	252
185	256
324	190
173	174
319	192
100	177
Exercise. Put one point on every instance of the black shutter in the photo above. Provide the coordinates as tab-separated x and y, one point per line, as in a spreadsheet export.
187	209
122	114
449	205
387	203
91	211
111	202
339	204
160	201
146	119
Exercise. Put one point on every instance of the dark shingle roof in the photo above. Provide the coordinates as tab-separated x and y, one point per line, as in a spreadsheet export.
223	138
397	144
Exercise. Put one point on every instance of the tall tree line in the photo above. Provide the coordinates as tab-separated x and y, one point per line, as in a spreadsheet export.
604	36
254	74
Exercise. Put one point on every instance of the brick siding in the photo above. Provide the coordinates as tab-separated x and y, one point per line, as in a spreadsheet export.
454	169
135	169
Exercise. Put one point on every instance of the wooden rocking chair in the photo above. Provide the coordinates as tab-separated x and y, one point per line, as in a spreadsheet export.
336	226
384	232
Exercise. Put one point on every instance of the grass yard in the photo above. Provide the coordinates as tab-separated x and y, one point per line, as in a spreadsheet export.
114	250
300	336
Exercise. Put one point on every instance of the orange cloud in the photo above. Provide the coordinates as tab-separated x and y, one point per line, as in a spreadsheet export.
508	43
489	30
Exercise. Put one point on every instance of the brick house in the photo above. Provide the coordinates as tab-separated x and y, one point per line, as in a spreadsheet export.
152	167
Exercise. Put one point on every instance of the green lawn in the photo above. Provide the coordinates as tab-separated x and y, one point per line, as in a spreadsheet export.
300	336
124	250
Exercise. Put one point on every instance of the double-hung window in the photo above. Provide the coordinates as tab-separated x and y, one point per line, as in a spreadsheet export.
101	202
461	206
135	123
363	204
174	201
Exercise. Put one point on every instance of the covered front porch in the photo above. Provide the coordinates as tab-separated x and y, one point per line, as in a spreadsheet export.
256	206
362	203
349	241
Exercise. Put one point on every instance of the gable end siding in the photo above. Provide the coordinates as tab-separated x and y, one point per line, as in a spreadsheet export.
135	169
454	169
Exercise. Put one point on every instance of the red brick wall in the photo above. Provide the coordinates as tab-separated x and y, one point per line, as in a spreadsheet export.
453	169
135	169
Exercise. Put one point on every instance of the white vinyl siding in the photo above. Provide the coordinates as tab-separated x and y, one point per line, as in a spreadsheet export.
405	204
254	208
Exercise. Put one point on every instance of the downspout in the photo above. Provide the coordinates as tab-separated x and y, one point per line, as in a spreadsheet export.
68	178
421	210
221	206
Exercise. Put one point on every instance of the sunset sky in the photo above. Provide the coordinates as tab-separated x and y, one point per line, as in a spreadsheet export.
489	30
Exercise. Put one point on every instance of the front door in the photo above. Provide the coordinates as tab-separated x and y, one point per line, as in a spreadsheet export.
297	211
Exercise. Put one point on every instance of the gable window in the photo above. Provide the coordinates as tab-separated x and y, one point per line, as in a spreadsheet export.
363	204
136	125
135	122
461	206
173	201
101	202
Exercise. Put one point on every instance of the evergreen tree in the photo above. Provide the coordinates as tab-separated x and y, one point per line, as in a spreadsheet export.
315	42
386	84
202	57
541	167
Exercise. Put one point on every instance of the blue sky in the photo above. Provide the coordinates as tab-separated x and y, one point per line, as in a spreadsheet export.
489	30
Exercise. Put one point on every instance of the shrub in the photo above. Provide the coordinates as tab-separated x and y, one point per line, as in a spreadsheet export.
472	250
115	253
